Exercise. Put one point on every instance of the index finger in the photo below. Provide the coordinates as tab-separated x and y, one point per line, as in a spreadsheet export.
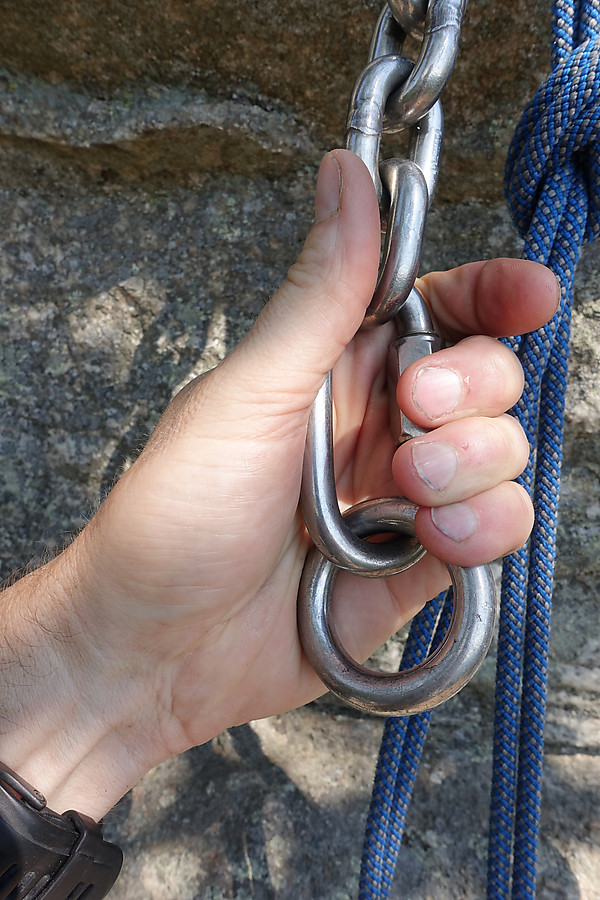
496	297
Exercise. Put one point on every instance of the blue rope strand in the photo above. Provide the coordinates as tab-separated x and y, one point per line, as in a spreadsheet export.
400	751
552	170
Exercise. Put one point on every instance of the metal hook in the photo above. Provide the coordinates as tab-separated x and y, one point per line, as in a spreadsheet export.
405	187
327	527
408	193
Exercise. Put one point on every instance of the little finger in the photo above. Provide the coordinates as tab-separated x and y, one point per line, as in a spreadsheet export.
475	531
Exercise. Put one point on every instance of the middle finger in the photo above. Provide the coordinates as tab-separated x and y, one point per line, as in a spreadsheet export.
460	459
479	376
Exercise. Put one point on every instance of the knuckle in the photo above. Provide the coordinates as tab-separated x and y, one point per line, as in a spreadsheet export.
306	270
514	441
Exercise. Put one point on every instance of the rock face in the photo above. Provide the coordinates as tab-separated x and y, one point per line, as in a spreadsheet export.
157	163
173	89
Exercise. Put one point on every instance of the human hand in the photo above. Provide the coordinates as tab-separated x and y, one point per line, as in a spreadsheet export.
173	614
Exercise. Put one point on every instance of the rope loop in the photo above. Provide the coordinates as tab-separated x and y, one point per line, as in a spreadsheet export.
558	136
552	187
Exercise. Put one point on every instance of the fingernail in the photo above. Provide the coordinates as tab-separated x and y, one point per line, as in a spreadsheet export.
437	391
559	293
329	185
457	521
435	462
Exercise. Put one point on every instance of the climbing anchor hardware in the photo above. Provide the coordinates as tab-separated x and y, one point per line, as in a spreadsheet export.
392	95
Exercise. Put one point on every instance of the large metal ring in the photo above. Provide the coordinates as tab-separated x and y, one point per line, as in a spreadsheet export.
438	677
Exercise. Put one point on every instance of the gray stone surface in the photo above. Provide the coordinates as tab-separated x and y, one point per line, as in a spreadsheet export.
138	88
157	163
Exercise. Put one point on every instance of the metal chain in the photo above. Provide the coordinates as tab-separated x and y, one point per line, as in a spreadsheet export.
392	95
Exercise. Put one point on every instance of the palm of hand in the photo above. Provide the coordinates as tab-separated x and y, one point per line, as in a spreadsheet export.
173	614
207	544
196	556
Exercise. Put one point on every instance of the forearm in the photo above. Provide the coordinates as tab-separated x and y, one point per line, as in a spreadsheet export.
67	716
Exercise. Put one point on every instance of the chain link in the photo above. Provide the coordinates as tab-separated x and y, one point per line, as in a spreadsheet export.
410	15
435	62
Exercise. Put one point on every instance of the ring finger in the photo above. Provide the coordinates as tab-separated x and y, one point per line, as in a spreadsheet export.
459	460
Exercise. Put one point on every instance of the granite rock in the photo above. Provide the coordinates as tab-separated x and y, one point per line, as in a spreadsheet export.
141	90
157	163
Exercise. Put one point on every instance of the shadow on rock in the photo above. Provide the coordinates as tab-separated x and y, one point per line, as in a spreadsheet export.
223	821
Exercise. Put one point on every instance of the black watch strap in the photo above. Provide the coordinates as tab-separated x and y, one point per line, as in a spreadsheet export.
46	856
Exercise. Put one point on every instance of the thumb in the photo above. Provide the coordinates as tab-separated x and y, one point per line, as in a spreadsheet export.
305	327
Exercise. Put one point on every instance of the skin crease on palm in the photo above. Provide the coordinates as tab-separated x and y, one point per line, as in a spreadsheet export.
172	615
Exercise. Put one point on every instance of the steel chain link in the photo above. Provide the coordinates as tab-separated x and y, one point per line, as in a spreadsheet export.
392	95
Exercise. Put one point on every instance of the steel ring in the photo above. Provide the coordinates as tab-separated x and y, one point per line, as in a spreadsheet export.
438	677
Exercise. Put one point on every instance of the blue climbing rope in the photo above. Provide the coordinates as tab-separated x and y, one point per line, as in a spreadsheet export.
552	186
399	756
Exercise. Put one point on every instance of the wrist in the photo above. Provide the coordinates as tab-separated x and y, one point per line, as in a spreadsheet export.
68	713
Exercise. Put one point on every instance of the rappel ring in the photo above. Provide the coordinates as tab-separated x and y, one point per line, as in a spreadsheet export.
442	674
